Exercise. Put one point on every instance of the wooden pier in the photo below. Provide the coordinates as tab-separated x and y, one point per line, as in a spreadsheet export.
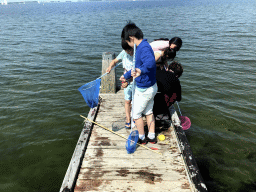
101	163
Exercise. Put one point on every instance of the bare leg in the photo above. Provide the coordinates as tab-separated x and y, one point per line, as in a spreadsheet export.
127	107
140	125
151	123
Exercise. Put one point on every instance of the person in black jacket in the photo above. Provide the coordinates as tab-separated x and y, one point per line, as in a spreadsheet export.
169	88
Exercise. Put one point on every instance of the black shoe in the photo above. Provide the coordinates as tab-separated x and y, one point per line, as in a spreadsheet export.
153	141
142	142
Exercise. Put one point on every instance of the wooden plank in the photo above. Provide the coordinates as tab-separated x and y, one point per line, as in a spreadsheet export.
106	144
77	157
131	163
195	178
116	107
139	173
108	82
119	144
132	185
120	128
109	96
190	161
143	154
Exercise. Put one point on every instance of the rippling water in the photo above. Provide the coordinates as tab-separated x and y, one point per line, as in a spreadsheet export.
49	50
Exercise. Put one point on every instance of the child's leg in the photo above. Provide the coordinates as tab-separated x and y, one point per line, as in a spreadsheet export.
139	105
127	107
143	103
151	123
149	113
140	126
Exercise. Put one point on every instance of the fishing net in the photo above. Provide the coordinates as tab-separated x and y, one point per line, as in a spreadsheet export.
185	122
118	125
90	92
132	141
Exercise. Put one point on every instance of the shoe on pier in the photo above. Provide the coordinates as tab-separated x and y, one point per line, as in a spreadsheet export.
153	141
142	142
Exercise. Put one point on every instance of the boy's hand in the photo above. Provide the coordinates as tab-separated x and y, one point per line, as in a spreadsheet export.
124	84
122	79
108	69
136	73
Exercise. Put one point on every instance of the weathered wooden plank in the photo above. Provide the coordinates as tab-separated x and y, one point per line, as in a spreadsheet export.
129	163
119	144
105	142
76	160
108	116
111	95
108	82
111	108
196	180
132	185
171	154
140	174
116	100
120	128
190	160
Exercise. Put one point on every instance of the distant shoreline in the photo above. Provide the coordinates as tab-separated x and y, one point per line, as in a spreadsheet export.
26	2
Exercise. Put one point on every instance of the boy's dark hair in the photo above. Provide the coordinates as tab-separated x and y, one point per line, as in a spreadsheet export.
125	45
176	68
131	30
177	41
169	54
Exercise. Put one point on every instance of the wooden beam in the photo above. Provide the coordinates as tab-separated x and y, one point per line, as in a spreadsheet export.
108	82
190	161
78	155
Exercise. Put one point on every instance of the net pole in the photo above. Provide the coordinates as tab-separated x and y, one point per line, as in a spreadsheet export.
133	85
178	107
107	73
119	134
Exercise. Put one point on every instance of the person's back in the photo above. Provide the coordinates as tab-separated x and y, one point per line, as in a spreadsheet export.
159	45
168	84
169	90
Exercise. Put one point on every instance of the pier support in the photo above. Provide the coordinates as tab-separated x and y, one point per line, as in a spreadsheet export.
108	82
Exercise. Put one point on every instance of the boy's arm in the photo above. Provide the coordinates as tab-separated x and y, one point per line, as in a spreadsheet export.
148	60
112	64
127	75
115	61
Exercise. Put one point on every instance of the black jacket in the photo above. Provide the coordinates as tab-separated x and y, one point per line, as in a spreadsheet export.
167	84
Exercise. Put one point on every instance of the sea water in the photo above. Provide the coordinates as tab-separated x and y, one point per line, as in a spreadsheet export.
49	50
